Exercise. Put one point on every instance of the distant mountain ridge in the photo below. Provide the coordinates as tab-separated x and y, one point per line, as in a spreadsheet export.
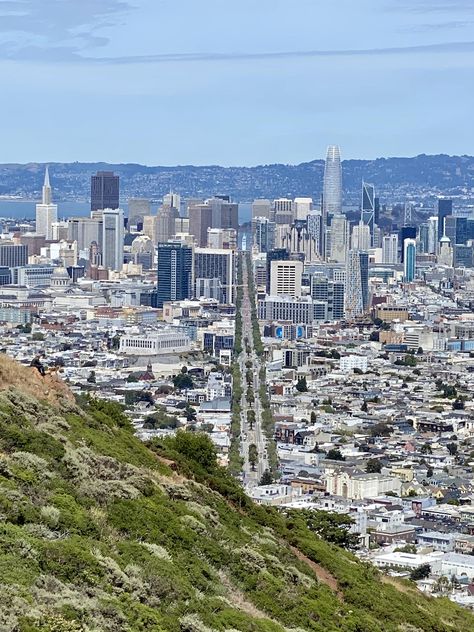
394	178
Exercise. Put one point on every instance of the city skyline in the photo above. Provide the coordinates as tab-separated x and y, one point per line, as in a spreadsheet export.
97	68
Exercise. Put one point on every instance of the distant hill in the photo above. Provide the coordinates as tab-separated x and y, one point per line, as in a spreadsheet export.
99	532
394	178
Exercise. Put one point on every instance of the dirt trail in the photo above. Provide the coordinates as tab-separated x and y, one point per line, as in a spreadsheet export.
321	573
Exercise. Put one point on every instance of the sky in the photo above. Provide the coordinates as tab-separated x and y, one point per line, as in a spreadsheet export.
234	82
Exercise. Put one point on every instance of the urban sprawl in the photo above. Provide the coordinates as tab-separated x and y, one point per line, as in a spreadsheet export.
328	355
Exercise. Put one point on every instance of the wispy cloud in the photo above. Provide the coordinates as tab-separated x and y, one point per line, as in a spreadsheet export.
459	47
431	6
55	27
72	31
442	26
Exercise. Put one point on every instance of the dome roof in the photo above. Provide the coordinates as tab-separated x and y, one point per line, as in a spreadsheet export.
60	273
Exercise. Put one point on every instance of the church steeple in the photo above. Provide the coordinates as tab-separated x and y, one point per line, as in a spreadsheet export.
47	193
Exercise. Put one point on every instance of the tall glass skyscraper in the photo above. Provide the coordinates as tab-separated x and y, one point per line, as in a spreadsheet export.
175	272
368	206
332	186
357	284
409	260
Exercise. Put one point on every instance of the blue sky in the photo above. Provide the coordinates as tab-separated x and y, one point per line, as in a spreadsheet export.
234	82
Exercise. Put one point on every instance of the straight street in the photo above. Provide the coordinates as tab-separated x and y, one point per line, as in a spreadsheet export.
251	433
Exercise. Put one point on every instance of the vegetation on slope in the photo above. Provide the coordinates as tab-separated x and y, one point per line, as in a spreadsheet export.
99	532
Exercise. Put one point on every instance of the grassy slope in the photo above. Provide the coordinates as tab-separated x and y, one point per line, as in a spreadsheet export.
99	532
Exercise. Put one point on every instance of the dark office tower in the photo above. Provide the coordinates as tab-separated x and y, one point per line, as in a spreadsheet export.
279	254
175	272
407	232
450	228
445	207
200	219
461	230
5	276
456	228
463	256
13	255
104	191
229	216
469	229
376	211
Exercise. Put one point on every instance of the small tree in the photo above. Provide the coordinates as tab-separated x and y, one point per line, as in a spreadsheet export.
426	449
313	417
267	478
452	448
183	380
190	413
334	454
197	447
373	466
91	378
420	572
253	456
301	385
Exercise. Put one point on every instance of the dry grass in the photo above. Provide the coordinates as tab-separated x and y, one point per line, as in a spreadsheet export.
50	388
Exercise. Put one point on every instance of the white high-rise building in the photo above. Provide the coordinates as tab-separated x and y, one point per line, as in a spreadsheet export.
84	230
285	278
173	200
46	212
339	239
361	237
302	207
332	186
112	239
433	235
390	248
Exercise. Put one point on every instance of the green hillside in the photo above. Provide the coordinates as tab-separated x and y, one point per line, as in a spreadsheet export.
99	532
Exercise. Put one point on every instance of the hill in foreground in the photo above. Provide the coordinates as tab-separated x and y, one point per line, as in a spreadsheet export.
99	532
